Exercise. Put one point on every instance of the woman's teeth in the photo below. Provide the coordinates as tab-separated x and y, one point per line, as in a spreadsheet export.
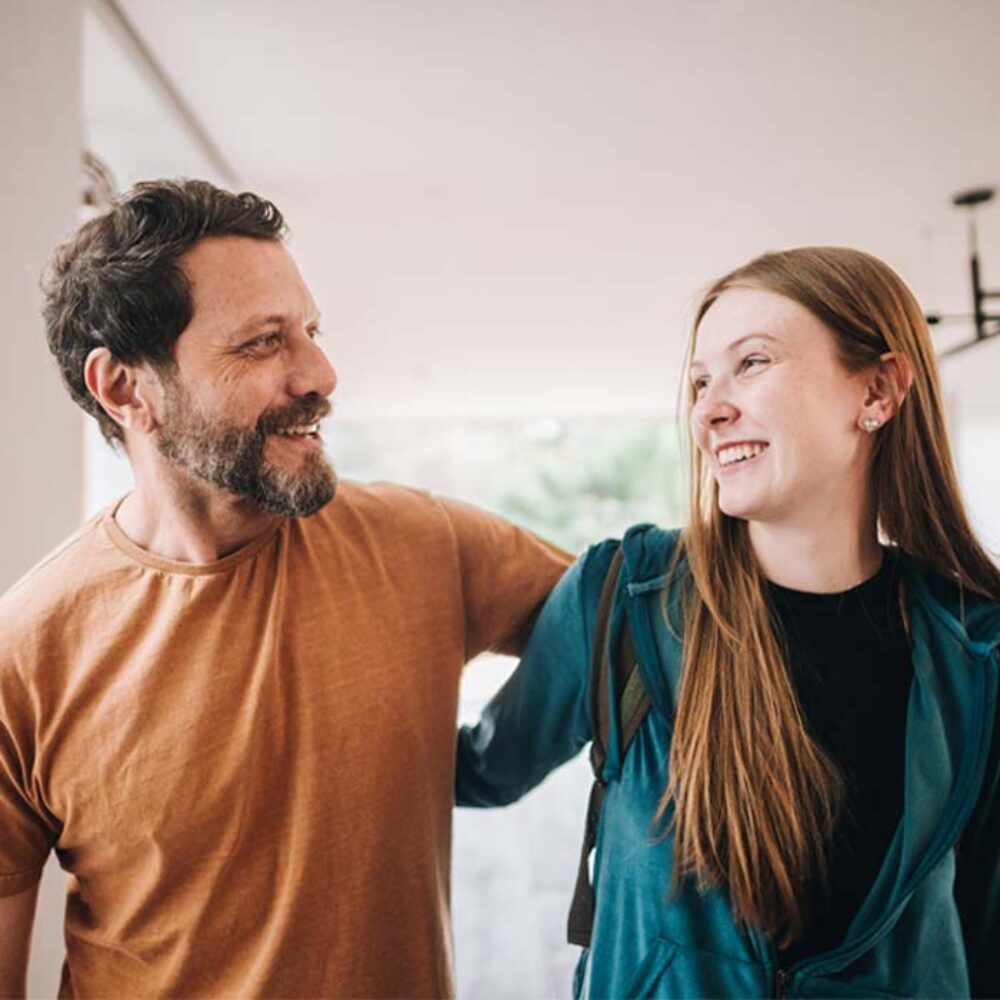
739	453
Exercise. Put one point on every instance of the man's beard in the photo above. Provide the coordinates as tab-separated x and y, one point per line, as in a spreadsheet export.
232	457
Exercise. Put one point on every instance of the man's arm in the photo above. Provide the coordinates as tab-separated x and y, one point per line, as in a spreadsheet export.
506	573
17	913
539	718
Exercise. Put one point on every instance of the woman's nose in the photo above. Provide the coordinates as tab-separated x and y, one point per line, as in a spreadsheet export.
713	409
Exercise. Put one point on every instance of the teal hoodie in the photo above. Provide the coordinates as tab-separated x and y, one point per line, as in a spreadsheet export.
929	926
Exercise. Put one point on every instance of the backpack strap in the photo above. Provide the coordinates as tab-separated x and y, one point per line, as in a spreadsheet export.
633	703
619	673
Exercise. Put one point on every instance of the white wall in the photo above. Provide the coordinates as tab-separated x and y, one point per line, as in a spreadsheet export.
40	125
969	379
40	449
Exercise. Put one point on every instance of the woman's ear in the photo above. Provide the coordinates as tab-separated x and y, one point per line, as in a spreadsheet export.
888	384
127	393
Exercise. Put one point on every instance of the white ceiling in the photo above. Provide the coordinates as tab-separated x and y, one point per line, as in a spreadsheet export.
509	207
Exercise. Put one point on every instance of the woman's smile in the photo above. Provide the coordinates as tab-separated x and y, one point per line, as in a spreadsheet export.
732	458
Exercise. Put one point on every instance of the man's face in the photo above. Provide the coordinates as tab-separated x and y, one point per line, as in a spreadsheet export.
241	408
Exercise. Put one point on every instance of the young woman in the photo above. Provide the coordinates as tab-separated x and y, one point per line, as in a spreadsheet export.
811	807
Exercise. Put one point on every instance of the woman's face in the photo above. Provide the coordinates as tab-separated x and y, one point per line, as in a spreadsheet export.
776	413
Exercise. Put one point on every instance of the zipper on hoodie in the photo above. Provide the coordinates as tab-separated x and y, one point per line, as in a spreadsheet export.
947	834
781	978
847	953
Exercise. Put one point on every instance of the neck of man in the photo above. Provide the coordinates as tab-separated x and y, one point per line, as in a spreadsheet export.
832	551
177	516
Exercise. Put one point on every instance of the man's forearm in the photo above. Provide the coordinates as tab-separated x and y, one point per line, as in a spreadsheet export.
17	914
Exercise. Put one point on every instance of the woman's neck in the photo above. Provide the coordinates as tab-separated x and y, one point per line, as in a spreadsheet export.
825	560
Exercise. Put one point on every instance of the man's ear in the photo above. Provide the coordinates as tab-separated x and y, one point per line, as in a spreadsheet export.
888	384
129	394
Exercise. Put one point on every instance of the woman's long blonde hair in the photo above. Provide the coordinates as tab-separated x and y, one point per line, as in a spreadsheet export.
755	799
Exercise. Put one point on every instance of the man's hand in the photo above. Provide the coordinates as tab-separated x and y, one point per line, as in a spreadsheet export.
17	914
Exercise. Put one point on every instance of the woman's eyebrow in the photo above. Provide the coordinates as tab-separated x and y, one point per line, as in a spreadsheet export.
736	344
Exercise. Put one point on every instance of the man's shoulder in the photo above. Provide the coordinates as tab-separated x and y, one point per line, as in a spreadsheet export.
381	498
57	582
392	508
420	532
374	510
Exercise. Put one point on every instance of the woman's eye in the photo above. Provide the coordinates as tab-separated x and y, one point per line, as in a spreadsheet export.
699	384
747	362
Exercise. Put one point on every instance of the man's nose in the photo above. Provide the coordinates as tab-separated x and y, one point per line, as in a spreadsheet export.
311	371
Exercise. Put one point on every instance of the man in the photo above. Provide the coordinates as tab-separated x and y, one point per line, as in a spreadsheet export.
229	702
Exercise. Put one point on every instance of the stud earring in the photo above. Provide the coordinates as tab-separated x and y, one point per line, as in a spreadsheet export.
870	424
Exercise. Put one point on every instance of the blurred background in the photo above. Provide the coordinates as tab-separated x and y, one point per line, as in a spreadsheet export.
506	211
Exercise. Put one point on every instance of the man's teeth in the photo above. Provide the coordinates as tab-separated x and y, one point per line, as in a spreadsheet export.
302	431
739	453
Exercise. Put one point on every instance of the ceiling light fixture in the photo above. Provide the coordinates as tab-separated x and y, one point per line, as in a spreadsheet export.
987	325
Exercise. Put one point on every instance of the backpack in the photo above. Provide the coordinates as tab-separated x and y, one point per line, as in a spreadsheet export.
631	703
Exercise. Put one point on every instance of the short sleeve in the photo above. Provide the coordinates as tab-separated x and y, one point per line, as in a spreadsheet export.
506	571
25	838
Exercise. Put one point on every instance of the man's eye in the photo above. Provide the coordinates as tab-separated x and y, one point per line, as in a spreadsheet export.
266	342
315	333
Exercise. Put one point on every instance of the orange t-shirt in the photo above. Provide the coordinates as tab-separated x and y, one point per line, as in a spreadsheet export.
247	766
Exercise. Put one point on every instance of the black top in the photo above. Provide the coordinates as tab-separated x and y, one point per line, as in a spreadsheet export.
849	660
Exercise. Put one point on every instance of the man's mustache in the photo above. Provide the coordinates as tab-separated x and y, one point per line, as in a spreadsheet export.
309	410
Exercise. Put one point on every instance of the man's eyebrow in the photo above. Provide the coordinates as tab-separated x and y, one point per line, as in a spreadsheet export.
695	363
267	319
